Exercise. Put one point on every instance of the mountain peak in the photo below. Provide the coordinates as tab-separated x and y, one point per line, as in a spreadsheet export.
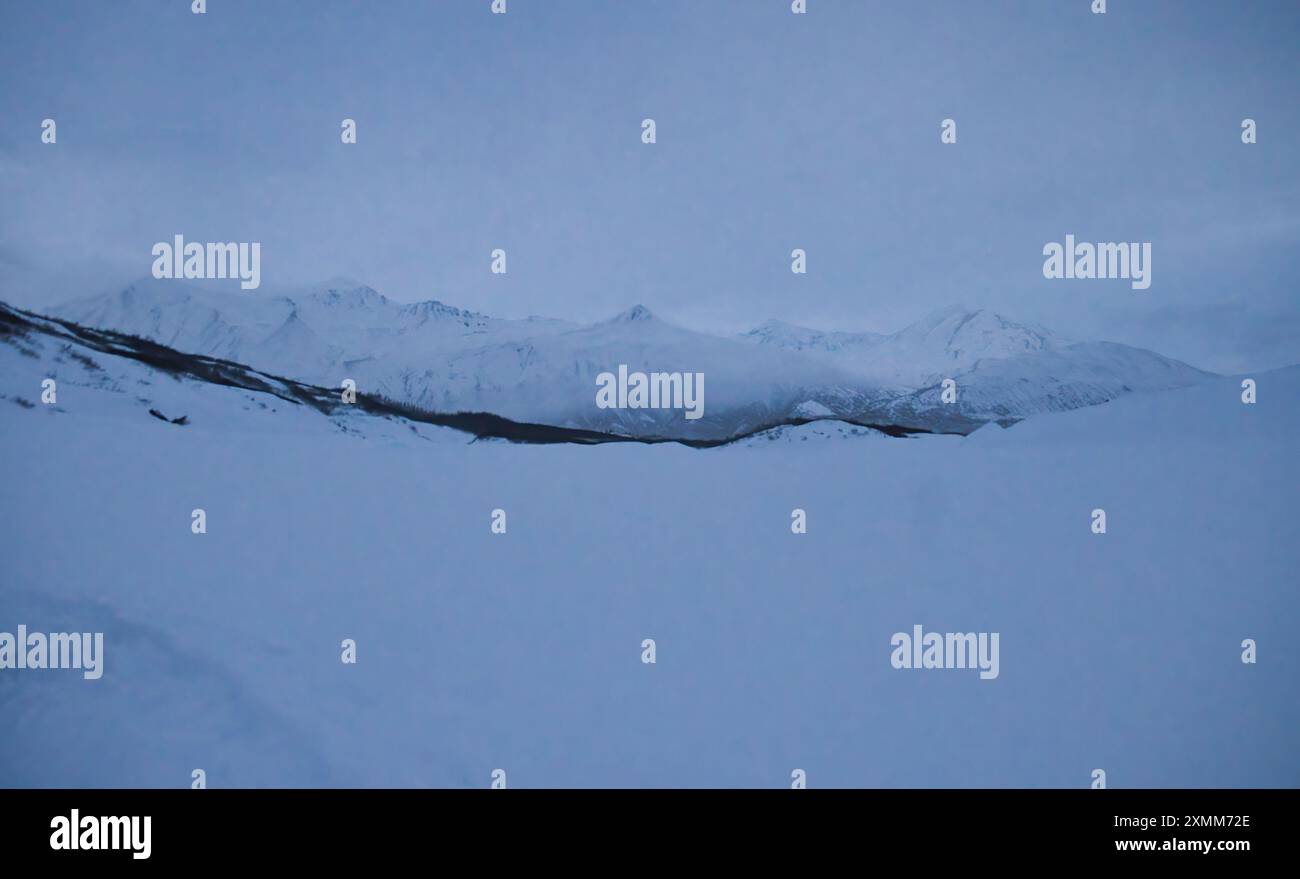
635	313
432	309
949	314
778	328
346	292
774	324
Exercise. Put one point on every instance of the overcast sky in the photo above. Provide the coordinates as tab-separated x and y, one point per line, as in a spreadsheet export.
775	131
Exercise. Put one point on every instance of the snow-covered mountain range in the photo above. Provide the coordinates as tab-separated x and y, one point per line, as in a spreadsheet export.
941	345
544	370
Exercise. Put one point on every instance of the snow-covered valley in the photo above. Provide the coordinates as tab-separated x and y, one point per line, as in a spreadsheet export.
523	650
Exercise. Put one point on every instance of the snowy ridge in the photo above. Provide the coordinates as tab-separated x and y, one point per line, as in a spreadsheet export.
437	356
125	373
941	345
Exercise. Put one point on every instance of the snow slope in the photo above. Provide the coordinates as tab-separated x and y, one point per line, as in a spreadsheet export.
106	388
1071	376
1003	369
521	651
947	342
824	430
441	357
312	334
552	378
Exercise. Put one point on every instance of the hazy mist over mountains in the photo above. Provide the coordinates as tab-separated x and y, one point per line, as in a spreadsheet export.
448	359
